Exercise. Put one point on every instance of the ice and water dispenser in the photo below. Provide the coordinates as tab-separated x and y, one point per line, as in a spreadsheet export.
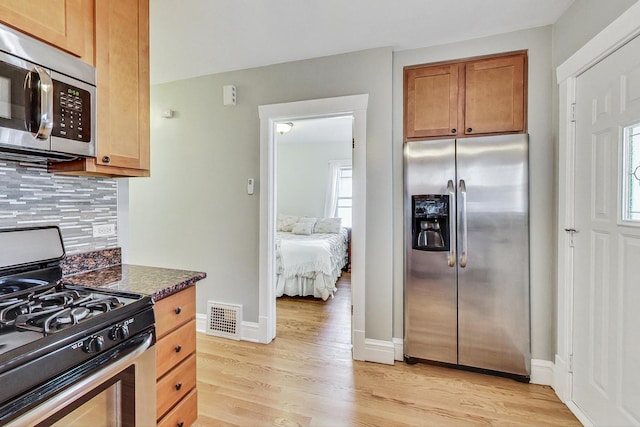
430	222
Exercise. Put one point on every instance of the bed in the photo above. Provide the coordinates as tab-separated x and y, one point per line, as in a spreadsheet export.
310	264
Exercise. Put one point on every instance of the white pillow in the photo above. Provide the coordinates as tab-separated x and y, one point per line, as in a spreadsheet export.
302	228
307	219
328	225
285	222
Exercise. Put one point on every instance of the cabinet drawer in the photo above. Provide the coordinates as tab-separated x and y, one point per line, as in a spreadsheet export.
174	347
175	310
175	385
184	414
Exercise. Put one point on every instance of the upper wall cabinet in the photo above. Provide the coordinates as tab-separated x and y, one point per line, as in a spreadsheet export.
464	98
122	70
431	101
66	24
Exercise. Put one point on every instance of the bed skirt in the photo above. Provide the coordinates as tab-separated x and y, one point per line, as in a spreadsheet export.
320	286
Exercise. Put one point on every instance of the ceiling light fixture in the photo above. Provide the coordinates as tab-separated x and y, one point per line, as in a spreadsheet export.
283	128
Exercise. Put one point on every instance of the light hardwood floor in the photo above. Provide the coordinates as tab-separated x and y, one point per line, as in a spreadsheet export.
306	377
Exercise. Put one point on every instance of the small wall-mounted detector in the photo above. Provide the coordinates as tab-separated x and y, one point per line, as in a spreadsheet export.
250	186
228	95
167	114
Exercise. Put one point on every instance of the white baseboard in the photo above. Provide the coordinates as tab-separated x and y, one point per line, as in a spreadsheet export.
379	351
250	330
398	348
370	350
542	372
201	323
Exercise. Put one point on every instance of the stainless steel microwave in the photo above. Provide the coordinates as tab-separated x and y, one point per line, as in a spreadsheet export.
47	101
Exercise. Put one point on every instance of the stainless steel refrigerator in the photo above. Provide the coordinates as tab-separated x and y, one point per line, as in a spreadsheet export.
467	253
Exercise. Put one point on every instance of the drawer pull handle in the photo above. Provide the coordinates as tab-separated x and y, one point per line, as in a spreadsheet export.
181	424
178	386
178	310
178	348
453	130
469	130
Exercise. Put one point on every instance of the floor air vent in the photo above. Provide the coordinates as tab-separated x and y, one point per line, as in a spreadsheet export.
224	320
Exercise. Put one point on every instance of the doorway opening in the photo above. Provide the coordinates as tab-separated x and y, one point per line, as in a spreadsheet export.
313	210
328	108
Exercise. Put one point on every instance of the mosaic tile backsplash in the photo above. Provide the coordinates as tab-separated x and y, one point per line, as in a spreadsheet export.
31	197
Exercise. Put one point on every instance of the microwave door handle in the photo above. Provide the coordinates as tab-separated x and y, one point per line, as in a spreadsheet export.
451	259
45	124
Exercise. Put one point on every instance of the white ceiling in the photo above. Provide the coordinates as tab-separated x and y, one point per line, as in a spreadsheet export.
197	37
333	129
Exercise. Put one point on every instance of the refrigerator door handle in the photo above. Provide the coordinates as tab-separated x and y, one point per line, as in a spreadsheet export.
463	214
452	227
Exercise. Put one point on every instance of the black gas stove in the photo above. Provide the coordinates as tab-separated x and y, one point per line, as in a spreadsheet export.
51	334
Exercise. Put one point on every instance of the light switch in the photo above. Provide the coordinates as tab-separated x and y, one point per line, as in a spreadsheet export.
250	185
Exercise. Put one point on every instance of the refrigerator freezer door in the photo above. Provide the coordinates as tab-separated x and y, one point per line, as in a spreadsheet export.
493	286
430	276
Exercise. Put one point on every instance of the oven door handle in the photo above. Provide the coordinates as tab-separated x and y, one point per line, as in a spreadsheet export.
59	400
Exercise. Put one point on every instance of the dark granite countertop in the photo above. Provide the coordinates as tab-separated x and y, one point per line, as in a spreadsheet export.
154	281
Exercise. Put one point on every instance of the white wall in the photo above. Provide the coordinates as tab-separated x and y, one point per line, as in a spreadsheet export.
302	175
581	22
194	212
541	165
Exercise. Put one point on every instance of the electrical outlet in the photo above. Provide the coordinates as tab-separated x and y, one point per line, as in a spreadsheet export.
104	230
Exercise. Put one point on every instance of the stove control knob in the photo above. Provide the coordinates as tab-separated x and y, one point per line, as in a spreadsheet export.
94	344
119	332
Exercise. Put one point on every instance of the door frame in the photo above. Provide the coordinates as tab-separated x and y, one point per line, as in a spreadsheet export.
614	36
355	106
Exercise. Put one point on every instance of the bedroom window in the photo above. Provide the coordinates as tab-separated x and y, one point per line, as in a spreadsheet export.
631	174
339	202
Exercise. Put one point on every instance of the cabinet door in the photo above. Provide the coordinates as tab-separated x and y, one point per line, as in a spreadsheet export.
495	95
431	101
57	22
122	63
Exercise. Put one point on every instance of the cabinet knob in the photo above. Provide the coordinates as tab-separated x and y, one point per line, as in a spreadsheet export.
178	348
178	310
469	130
454	130
180	424
106	159
178	386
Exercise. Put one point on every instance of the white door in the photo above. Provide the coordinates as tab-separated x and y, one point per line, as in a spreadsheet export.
606	317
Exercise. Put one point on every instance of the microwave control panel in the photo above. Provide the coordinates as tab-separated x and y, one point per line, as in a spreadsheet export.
71	112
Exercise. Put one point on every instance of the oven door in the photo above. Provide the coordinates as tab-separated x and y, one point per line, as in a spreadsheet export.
119	392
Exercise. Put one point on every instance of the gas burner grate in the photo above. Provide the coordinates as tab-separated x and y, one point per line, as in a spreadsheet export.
54	309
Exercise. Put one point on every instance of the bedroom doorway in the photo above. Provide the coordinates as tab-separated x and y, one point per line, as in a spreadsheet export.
313	208
329	108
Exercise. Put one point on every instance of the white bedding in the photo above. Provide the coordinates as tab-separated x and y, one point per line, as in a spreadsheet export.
309	264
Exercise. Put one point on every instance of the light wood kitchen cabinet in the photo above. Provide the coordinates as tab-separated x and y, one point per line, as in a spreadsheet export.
65	24
495	95
176	359
431	95
477	96
122	71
